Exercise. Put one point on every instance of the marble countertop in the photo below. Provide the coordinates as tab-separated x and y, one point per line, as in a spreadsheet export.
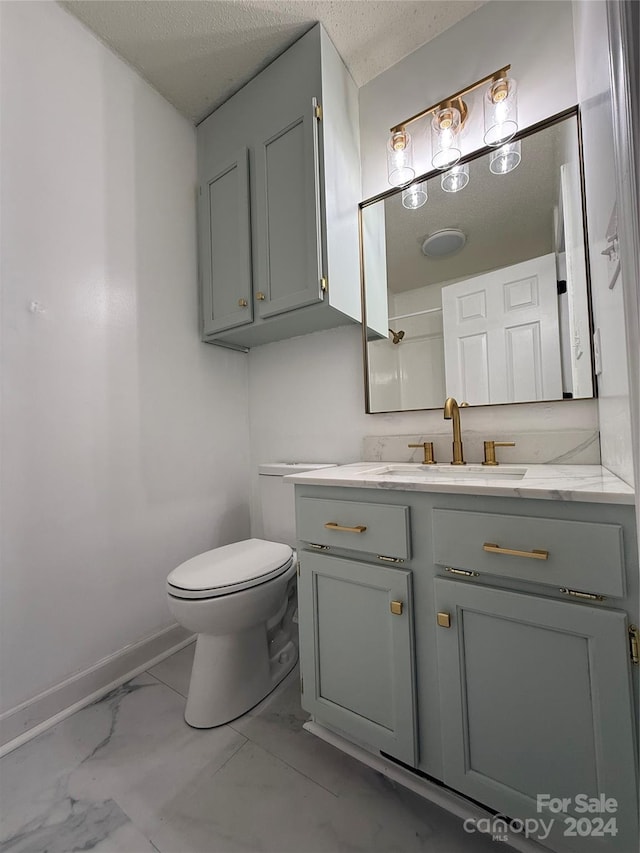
590	483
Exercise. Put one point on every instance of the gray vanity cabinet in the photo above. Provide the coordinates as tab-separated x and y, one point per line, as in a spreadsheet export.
356	624
536	699
278	240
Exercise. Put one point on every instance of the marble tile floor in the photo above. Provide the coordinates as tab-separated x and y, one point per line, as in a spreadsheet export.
128	775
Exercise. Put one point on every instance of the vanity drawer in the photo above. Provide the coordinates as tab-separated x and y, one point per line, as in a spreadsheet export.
379	529
582	556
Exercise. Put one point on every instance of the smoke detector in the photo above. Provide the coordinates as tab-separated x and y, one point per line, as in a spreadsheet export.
445	242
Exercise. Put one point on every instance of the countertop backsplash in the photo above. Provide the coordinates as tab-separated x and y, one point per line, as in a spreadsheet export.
559	447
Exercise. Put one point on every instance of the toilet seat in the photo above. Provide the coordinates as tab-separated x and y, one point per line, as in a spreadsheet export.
229	569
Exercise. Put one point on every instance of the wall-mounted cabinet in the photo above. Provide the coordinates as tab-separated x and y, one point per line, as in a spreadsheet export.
279	186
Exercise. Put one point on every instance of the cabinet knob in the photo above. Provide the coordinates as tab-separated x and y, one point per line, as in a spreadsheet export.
396	608
260	296
444	620
242	303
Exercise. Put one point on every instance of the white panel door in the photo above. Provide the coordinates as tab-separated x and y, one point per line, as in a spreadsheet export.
502	338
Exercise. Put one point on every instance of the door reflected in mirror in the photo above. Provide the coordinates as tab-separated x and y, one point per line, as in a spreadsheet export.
482	293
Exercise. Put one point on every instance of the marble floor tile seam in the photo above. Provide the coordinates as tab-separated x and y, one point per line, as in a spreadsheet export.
284	761
166	684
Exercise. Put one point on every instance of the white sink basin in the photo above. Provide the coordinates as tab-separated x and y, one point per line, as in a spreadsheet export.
452	472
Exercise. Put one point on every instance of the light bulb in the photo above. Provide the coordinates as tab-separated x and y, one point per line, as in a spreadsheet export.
445	127
400	158
500	111
505	159
415	196
455	179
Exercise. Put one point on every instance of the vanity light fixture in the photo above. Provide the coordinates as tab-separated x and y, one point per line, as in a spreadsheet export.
415	195
448	120
455	179
505	159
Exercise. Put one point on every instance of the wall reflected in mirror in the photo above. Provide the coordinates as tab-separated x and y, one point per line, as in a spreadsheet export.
481	293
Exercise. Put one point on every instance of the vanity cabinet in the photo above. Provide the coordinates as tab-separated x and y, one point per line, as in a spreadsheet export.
521	662
279	186
357	651
535	699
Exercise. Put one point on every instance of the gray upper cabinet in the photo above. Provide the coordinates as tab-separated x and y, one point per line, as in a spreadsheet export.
225	231
297	265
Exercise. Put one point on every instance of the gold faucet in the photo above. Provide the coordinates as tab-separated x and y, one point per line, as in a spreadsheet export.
451	411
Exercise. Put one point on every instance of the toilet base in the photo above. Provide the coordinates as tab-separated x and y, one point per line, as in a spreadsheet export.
232	673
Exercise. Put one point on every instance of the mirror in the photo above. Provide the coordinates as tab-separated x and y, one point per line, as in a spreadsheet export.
481	294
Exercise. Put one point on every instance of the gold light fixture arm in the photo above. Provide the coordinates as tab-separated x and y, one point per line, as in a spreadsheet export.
495	75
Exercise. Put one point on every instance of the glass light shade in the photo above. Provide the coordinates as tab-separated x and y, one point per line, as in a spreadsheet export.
505	159
455	179
400	169
500	112
445	127
415	196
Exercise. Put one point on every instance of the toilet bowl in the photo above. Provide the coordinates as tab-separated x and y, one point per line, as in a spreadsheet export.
240	600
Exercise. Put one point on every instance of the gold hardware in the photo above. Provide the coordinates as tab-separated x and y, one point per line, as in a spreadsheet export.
298	569
462	572
389	559
634	640
319	547
242	303
301	684
452	412
427	447
490	450
495	76
260	296
396	608
588	596
399	140
333	525
444	620
318	112
536	554
323	284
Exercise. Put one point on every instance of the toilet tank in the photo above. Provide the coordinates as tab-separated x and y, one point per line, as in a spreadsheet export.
277	498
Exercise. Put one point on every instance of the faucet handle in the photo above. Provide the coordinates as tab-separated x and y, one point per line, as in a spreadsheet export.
490	450
427	447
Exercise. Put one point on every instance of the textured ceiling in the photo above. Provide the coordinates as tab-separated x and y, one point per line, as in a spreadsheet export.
199	53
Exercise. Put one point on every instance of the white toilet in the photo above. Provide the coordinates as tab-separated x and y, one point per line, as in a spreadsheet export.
240	599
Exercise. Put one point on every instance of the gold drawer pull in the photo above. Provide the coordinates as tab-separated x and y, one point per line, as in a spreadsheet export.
532	555
396	608
333	525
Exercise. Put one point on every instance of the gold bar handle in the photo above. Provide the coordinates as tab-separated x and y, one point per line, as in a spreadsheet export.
536	554
333	525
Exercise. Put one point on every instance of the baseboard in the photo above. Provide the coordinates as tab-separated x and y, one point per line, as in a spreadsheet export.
447	799
34	716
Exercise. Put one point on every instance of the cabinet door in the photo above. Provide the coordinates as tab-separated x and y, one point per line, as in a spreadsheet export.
535	699
225	246
356	654
288	220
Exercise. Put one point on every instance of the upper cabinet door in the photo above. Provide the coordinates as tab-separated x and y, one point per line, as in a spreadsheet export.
288	214
536	703
225	246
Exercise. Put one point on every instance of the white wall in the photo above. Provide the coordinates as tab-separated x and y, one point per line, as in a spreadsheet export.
594	91
119	426
306	395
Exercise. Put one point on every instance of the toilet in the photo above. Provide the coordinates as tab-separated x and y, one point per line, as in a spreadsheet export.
240	600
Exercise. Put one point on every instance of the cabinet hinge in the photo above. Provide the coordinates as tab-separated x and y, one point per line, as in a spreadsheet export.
298	569
390	559
587	596
464	572
634	643
318	547
324	284
301	684
318	112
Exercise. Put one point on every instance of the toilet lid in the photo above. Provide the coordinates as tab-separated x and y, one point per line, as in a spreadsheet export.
229	569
